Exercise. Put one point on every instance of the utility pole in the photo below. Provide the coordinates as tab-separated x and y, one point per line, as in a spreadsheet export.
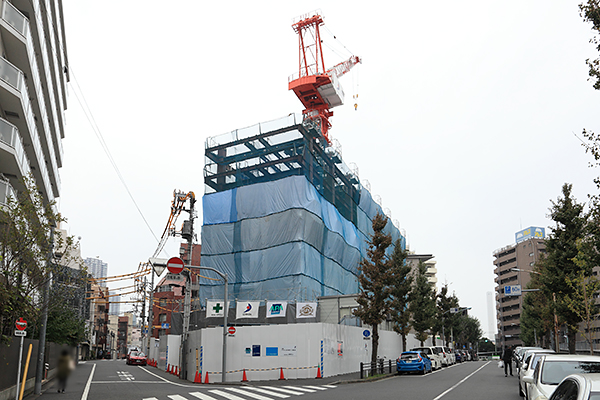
188	234
144	335
39	371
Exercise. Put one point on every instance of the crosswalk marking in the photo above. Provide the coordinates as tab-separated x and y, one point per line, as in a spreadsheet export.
287	391
150	398
329	386
202	396
263	391
176	397
316	387
302	389
226	395
249	394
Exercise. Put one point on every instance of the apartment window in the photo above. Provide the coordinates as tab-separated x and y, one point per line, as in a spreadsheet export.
162	318
163	302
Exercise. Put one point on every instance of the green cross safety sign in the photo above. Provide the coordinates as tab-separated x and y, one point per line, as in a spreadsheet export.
218	308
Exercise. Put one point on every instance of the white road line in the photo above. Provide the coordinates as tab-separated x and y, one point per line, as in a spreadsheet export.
329	386
300	389
464	379
130	381
202	396
150	398
86	391
315	387
176	397
166	380
249	394
226	395
286	391
263	391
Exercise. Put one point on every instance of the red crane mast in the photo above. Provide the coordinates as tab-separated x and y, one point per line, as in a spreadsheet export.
317	88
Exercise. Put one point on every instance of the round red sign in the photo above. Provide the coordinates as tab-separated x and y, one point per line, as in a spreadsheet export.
231	330
21	324
175	265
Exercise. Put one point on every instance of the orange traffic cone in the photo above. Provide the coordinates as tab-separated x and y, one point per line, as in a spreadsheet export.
281	377
206	379
244	378
198	377
176	372
319	373
169	368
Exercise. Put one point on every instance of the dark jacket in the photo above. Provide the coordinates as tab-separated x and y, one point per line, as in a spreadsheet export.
507	355
64	366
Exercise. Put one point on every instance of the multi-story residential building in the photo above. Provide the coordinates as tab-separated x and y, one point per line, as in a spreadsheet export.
99	318
97	268
513	265
33	77
427	259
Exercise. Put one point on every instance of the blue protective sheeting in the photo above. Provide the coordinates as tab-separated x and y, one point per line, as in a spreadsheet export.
283	240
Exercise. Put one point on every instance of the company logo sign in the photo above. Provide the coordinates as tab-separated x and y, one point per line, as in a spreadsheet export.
306	310
247	309
276	309
529	233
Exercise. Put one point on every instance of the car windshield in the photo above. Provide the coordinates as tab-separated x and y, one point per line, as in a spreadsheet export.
594	396
555	371
137	354
425	350
409	356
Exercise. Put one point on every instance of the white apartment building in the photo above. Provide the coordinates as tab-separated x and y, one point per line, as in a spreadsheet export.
33	87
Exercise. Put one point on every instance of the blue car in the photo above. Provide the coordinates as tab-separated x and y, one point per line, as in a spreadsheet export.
413	361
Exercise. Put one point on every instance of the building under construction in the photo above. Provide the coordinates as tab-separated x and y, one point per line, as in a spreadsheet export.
284	216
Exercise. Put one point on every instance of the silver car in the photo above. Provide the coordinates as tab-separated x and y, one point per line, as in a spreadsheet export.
553	368
530	360
578	387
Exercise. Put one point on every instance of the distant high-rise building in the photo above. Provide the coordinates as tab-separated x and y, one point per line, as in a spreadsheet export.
115	305
513	265
97	268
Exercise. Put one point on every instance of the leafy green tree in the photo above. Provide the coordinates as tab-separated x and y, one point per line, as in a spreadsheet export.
558	265
422	304
374	296
485	345
446	321
401	286
27	259
590	12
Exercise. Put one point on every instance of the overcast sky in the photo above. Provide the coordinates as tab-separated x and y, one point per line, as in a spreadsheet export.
465	126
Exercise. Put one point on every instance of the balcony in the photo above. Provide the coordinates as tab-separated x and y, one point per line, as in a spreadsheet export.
6	191
17	38
13	159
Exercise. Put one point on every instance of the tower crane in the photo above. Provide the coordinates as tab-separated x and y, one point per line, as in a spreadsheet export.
317	88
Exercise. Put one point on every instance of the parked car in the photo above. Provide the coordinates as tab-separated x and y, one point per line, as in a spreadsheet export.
518	353
413	361
441	350
451	356
436	359
530	360
458	356
136	358
551	369
578	387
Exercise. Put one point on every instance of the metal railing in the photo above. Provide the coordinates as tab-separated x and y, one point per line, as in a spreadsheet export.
375	368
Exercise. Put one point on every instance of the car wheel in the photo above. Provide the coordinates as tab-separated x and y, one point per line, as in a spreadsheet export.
423	371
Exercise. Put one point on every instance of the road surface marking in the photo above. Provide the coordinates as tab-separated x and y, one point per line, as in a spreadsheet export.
263	391
176	397
87	385
150	398
329	386
249	394
302	389
226	395
287	391
464	379
316	387
166	380
125	376
202	396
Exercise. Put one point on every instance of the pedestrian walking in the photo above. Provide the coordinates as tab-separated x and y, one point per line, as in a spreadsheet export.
507	359
65	366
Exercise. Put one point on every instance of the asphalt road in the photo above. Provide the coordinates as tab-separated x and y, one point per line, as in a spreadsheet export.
113	379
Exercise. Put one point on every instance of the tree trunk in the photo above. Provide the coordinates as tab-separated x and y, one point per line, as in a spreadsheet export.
571	335
375	343
403	342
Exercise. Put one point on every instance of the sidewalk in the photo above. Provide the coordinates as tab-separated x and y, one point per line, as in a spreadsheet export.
75	385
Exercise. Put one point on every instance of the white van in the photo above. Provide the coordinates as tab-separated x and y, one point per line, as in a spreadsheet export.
433	354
